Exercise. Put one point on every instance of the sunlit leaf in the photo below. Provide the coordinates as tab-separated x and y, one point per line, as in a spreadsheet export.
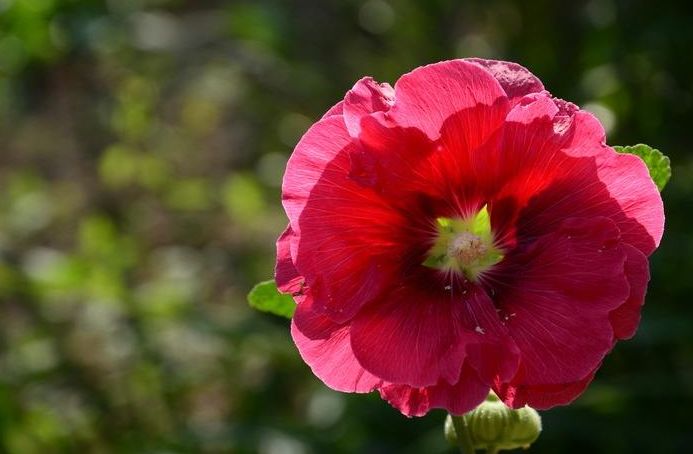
266	298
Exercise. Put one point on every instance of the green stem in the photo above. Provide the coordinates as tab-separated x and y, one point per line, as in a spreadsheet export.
492	450
464	439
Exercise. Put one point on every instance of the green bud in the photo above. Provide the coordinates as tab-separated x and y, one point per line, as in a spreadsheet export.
494	426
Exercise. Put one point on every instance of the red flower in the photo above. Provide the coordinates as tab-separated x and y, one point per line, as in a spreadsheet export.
464	231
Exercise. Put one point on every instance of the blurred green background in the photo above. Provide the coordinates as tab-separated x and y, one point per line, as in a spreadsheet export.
142	148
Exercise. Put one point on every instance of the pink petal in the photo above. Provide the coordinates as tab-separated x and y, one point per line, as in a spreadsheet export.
457	399
515	79
285	273
337	109
418	334
625	318
556	295
641	216
543	397
366	97
318	147
326	347
432	95
346	233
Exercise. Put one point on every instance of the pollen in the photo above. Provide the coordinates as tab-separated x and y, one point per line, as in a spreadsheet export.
467	248
464	245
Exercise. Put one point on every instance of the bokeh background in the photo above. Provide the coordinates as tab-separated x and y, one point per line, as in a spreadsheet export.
142	144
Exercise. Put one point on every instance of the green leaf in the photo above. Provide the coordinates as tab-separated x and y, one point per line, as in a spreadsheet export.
266	298
656	162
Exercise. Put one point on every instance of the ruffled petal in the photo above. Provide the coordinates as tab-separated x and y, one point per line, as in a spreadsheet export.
625	318
286	275
366	97
515	79
457	399
543	397
326	347
556	296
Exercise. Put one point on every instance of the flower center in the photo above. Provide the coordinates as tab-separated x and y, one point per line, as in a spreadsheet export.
467	248
464	245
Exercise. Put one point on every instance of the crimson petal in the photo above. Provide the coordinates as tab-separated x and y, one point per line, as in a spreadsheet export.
625	318
346	233
463	396
557	294
556	165
542	397
419	335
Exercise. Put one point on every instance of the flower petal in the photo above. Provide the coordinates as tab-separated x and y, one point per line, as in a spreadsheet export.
318	147
366	97
515	79
326	347
457	399
430	95
453	173
625	318
556	165
457	102
556	295
346	233
337	109
419	334
396	162
641	214
543	397
286	275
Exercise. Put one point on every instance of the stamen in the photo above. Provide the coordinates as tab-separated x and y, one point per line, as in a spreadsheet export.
467	248
464	245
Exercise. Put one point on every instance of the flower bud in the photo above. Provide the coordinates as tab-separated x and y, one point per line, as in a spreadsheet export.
494	426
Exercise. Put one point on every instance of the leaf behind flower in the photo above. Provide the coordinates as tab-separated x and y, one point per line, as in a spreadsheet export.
266	298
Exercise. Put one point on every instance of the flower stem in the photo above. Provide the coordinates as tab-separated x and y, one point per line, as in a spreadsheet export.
464	440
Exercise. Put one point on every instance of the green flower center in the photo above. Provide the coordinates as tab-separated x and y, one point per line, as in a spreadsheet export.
464	245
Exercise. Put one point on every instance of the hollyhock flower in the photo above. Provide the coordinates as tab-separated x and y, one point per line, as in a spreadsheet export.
460	232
